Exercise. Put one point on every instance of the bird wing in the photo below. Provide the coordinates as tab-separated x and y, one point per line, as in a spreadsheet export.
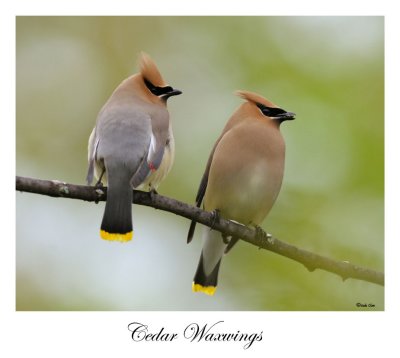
155	151
204	180
92	149
202	190
150	162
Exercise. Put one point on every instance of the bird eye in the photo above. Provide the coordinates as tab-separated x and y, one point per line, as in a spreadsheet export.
270	111
157	91
165	89
149	85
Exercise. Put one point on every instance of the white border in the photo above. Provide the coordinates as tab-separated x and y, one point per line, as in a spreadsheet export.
330	334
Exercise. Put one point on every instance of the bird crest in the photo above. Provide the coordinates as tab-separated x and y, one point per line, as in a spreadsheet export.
255	98
149	70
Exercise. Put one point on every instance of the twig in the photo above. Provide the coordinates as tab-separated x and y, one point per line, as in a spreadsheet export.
310	260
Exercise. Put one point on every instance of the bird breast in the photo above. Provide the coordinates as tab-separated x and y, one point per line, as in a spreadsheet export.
245	174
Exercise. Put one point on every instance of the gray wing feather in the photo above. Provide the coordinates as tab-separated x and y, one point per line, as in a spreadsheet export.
153	162
92	149
155	151
124	139
141	174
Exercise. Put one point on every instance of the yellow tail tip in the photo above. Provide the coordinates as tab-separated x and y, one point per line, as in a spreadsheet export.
208	290
116	237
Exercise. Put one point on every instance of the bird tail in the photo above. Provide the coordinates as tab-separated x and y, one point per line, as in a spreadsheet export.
117	218
206	277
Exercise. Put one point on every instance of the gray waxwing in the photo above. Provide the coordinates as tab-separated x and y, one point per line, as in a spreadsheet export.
242	179
131	145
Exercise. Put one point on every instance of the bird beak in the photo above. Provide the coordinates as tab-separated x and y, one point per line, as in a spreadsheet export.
174	92
287	116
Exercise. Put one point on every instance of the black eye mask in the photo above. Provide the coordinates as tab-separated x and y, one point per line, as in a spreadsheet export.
274	112
157	91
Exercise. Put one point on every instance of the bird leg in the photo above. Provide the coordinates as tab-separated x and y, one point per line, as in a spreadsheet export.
99	184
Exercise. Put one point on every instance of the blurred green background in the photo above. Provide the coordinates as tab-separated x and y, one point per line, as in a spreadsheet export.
328	70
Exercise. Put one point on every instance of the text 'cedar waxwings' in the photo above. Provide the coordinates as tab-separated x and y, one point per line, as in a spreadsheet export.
132	145
242	179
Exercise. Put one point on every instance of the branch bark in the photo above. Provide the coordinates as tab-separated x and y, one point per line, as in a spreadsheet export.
310	260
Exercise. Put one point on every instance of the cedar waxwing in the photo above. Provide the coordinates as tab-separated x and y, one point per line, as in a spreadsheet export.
131	145
242	179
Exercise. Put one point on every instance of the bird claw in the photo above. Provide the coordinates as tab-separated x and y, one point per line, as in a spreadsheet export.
215	218
99	185
152	193
261	235
99	190
232	242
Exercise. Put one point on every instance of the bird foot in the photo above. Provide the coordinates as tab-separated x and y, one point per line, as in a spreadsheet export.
99	188
226	239
152	193
99	185
232	242
261	235
215	218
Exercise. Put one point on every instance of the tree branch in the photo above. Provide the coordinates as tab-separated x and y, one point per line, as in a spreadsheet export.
310	260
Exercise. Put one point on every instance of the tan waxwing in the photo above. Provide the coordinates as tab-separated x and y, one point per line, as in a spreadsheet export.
131	145
242	179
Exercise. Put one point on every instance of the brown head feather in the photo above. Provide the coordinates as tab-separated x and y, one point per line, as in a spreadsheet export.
255	98
149	70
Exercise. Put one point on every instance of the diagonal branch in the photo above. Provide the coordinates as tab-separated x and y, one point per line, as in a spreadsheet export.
310	260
